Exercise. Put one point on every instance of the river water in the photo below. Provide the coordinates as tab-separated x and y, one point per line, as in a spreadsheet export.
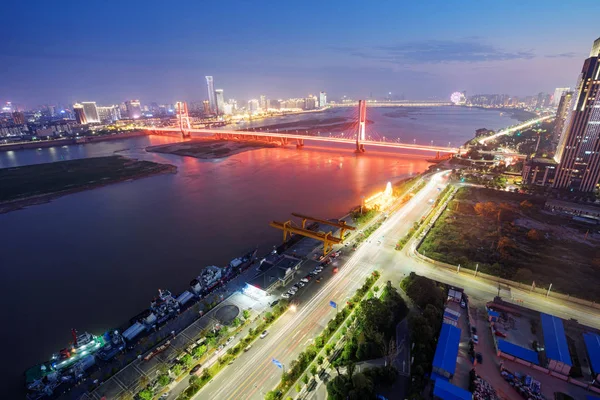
91	260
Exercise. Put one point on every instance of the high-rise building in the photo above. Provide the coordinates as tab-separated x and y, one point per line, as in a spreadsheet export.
558	92
564	107
109	114
322	99
18	118
220	101
579	147
79	113
206	107
134	109
263	102
90	111
310	103
253	105
211	93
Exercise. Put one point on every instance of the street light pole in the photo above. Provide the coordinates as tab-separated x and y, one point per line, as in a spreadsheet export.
548	293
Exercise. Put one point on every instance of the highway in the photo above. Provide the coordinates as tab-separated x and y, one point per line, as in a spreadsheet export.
253	373
515	128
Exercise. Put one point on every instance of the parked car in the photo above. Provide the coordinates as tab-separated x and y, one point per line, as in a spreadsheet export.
195	369
247	347
479	358
285	295
474	330
500	334
305	280
475	339
264	334
295	286
463	304
164	395
308	277
301	284
293	290
273	304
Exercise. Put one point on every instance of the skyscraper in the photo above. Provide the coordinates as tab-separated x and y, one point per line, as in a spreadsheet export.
253	105
263	102
322	99
206	107
109	114
220	101
211	93
578	152
79	114
90	111
558	92
134	108
564	107
18	118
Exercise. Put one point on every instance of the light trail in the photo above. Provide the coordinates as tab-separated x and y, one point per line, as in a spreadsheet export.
515	128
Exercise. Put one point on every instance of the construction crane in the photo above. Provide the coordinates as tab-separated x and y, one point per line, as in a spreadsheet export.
327	238
340	224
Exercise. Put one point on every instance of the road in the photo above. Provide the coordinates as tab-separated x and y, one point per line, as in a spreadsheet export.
253	373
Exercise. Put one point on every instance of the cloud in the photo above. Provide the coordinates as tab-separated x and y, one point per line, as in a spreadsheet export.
570	54
468	50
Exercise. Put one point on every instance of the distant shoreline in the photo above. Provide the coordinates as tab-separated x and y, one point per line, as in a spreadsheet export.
515	113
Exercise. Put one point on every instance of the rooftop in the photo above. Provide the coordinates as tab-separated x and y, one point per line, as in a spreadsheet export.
447	349
555	340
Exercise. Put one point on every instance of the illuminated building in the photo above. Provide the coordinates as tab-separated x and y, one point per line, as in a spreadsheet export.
310	103
79	114
263	102
206	107
564	106
90	111
322	99
134	109
558	93
578	153
253	106
220	101
211	93
18	118
109	114
233	103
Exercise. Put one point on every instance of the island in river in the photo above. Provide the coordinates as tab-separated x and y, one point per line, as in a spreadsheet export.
209	148
40	183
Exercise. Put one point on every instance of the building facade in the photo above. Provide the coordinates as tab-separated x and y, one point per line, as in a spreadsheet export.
220	101
79	114
109	114
558	93
322	99
91	111
578	153
134	109
564	107
211	93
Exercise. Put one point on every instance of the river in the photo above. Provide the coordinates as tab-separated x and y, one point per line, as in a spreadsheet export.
93	259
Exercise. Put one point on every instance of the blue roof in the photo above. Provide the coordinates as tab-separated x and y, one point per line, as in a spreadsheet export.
447	348
592	343
588	397
447	391
518	351
555	340
493	313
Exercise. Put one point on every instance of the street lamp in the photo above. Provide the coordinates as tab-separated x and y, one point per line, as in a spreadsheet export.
548	293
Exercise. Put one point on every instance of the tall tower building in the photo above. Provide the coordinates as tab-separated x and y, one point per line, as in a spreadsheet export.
564	107
558	92
79	114
263	102
578	153
322	99
134	108
220	101
211	93
206	107
90	111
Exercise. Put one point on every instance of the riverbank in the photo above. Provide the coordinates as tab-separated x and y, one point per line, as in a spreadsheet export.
515	113
208	149
40	183
68	141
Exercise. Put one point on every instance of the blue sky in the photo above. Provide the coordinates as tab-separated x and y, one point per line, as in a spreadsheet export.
109	51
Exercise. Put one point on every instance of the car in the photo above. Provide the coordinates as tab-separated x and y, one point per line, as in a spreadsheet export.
318	280
335	270
475	339
313	273
164	395
273	304
229	339
308	277
301	284
293	290
247	348
474	330
295	286
304	280
311	385
291	293
479	358
195	369
264	334
221	347
500	334
285	295
463	304
336	254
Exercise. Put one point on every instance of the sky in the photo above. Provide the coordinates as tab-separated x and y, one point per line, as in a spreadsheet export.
60	52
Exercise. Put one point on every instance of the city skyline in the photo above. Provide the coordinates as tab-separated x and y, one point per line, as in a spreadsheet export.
143	57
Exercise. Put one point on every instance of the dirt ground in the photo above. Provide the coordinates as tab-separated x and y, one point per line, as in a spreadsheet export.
208	148
521	242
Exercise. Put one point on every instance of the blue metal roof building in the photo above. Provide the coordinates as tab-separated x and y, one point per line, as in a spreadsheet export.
518	351
592	344
444	360
444	390
555	343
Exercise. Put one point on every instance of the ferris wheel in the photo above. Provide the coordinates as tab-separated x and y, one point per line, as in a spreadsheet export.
458	98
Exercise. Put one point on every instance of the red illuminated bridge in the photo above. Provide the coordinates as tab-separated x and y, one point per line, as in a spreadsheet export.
360	139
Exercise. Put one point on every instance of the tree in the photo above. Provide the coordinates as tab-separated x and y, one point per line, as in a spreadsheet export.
177	369
146	394
298	388
144	381
187	360
320	360
200	351
313	369
194	380
305	379
246	314
163	380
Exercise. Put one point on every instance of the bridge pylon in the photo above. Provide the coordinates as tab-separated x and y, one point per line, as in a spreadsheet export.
183	119
362	121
